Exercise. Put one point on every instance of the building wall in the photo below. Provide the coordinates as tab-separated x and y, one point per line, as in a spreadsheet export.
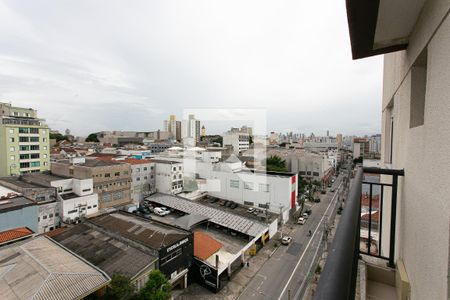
24	217
75	208
423	207
48	216
143	181
169	178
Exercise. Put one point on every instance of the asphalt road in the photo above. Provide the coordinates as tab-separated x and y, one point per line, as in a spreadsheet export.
282	276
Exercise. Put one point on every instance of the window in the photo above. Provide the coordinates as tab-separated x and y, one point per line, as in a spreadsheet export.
71	171
72	211
249	203
95	205
11	140
145	177
39	219
24	165
145	168
44	140
264	188
45	147
263	205
11	131
34	147
34	155
86	190
56	214
138	178
171	256
23	148
24	130
248	185
45	163
24	156
67	190
24	139
35	164
44	217
138	169
174	169
89	207
107	175
12	157
45	155
34	139
50	215
12	149
179	168
35	130
418	90
234	184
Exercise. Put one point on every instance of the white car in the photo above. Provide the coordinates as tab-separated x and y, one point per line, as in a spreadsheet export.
166	210
301	221
286	240
159	211
305	216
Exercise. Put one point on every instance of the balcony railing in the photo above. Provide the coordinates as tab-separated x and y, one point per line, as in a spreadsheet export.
361	231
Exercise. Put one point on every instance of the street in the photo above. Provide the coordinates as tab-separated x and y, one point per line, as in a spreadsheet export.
282	276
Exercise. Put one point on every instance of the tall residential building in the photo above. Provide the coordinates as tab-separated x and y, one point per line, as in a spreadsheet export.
339	140
190	129
24	141
173	126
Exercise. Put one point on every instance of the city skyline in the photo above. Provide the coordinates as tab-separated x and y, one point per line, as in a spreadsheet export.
162	60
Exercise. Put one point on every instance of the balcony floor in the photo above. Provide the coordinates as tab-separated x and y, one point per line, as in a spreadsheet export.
380	291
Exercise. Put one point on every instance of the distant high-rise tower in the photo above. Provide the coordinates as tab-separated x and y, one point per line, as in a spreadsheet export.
171	126
203	131
328	133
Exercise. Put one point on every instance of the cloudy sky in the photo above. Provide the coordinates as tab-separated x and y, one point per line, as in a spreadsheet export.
126	65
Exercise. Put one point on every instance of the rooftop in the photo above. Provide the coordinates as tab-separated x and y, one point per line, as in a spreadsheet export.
162	161
14	234
205	245
223	218
152	234
92	163
40	268
45	177
15	203
107	253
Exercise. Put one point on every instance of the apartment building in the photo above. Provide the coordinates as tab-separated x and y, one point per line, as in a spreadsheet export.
415	38
111	179
361	147
169	176
239	139
24	141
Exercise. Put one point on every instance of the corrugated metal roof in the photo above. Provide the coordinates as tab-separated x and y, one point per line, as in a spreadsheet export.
42	269
217	216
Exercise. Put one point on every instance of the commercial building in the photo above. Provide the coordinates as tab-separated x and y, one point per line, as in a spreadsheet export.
361	148
223	239
40	268
110	254
415	137
238	139
169	176
171	246
111	179
24	141
45	198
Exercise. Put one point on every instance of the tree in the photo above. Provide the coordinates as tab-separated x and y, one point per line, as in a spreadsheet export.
92	138
276	163
120	288
156	288
58	137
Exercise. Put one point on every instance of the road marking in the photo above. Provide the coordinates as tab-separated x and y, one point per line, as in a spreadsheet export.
307	246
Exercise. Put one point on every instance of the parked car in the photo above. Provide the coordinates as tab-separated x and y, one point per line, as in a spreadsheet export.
251	210
301	221
317	200
160	212
228	204
286	240
234	205
222	202
166	210
308	211
305	215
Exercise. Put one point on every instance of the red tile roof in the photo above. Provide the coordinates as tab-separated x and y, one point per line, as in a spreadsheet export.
134	161
204	245
13	234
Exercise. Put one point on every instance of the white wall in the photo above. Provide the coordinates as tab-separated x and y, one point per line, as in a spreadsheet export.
165	181
423	204
85	205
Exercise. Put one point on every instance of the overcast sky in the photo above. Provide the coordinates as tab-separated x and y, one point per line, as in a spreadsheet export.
126	65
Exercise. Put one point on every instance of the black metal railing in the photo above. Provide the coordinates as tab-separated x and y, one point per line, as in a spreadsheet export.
338	278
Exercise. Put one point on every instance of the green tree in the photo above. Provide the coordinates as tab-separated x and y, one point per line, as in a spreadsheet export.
58	137
92	138
156	288
120	288
276	163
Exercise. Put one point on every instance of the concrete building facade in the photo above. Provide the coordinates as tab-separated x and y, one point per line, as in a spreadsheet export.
24	141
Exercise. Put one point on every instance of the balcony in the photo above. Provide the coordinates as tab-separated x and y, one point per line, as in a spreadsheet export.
361	262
